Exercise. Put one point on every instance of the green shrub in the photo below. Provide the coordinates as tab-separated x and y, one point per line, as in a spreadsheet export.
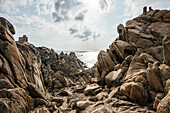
27	92
46	82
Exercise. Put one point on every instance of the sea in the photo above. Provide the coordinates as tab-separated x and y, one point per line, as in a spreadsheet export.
88	57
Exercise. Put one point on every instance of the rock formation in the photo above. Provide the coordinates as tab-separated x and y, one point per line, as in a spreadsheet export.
132	75
17	71
26	69
144	78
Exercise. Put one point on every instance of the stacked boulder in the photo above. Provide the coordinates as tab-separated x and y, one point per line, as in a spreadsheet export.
138	60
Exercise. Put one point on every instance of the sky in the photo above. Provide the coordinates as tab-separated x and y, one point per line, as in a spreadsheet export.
73	25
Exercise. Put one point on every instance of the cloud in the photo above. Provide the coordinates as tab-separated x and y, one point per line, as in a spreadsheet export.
12	6
73	30
45	7
104	4
85	33
33	25
63	9
96	35
80	15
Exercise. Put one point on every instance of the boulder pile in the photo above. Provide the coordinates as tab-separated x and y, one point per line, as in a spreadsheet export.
137	62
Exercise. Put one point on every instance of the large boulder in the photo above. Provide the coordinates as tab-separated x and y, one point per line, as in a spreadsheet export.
60	76
7	25
166	49
165	71
163	106
32	64
154	78
137	69
122	32
19	61
92	89
83	104
167	87
113	78
122	49
134	91
104	66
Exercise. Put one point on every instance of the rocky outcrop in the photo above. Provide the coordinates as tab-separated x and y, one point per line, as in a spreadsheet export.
17	69
117	52
137	64
26	69
59	62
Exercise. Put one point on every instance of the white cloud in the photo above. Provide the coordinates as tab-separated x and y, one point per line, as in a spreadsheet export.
45	7
84	32
63	9
35	26
12	6
80	15
104	4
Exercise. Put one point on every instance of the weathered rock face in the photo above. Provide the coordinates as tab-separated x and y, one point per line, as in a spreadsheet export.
148	30
15	100
154	78
32	64
10	53
166	49
116	53
104	66
163	106
137	63
134	91
113	78
121	50
17	68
